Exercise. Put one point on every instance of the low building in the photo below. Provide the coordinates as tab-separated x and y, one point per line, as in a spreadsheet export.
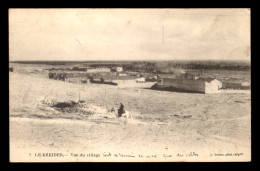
57	75
191	76
69	76
78	69
98	70
246	85
154	78
190	85
122	74
119	69
96	79
140	80
132	83
78	80
233	84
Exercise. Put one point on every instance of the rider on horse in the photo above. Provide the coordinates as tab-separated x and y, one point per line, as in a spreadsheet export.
121	109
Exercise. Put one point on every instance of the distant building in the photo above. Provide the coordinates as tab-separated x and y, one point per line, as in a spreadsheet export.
245	84
69	76
133	83
122	74
154	78
78	69
140	80
97	70
133	73
119	69
78	80
190	76
233	84
96	79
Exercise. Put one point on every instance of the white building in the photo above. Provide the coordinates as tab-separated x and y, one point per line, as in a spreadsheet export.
119	69
100	69
141	79
209	85
122	74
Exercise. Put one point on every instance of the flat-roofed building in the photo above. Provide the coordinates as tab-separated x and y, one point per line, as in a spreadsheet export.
97	70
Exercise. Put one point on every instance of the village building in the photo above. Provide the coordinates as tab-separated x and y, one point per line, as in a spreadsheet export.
69	76
98	70
140	80
96	79
78	68
133	83
131	73
122	74
191	76
245	84
119	69
235	84
77	80
209	85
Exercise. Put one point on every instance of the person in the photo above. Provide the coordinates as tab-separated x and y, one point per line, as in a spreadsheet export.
121	109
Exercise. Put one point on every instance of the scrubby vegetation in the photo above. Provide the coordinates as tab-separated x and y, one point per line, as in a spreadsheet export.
176	67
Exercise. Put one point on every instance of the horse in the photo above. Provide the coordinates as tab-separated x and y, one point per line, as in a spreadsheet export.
125	115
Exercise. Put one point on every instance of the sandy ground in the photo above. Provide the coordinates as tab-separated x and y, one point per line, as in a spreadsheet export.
166	126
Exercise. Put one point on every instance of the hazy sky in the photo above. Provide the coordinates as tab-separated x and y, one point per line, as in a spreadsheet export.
129	34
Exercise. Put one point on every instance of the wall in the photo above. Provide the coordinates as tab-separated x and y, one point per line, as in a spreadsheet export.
98	70
122	74
133	83
142	79
77	80
189	85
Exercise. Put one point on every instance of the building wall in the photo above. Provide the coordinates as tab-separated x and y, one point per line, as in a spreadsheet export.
190	76
231	85
133	83
213	86
142	79
77	79
122	74
182	84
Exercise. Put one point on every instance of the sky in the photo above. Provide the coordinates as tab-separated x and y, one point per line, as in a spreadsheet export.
129	34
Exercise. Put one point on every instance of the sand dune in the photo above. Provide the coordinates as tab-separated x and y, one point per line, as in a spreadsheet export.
164	122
